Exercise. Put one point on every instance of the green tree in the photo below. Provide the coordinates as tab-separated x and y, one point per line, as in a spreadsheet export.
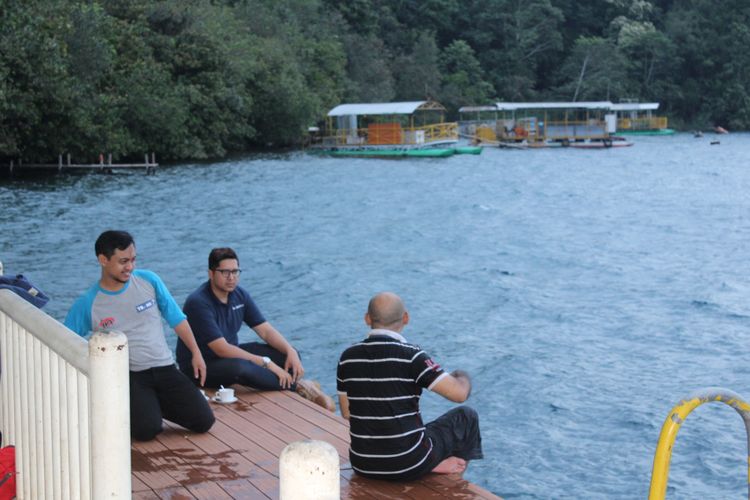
463	78
368	68
416	74
531	37
594	71
38	95
714	62
298	68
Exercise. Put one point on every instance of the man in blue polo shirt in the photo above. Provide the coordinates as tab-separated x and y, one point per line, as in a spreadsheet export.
216	311
133	301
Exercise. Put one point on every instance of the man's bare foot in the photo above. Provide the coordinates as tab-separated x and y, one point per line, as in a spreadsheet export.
451	465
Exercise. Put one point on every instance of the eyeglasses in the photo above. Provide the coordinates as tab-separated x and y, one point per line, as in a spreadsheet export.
227	272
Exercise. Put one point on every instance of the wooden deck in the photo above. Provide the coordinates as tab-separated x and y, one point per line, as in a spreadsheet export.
239	457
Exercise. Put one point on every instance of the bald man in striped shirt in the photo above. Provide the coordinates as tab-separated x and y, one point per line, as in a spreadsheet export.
379	382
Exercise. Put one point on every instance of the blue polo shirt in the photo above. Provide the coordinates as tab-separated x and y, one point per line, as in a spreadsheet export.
211	319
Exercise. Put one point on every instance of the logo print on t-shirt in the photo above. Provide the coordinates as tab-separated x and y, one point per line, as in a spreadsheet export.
106	323
432	365
146	305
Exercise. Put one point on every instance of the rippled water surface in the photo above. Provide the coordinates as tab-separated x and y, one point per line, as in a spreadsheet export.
586	291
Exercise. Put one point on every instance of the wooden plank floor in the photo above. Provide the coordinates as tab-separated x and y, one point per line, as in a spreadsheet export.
239	457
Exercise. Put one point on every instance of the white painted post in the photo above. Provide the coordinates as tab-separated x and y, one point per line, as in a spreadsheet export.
1	268
309	470
109	397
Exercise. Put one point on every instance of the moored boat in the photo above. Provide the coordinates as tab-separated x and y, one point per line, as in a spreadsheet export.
609	142
395	129
637	118
541	124
388	153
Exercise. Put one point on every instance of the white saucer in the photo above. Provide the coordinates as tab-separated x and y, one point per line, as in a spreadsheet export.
222	402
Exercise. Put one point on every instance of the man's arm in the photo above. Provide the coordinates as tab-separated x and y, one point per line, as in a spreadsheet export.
275	339
344	405
224	349
78	318
183	331
456	386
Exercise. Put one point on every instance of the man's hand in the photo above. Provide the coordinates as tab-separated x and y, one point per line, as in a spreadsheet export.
199	367
293	362
285	378
182	329
456	387
463	378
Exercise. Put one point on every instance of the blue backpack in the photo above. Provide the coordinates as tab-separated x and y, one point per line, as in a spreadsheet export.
23	287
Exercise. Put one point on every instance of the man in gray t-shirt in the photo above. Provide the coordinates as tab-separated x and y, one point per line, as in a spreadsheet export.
134	302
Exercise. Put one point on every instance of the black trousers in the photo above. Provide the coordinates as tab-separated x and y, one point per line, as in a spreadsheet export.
165	392
228	371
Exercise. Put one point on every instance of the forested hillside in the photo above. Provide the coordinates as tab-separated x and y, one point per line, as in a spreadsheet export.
192	79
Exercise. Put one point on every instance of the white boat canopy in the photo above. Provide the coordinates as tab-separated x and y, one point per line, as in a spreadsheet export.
476	109
635	106
513	106
385	108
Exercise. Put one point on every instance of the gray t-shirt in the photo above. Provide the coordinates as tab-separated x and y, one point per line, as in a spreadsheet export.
136	311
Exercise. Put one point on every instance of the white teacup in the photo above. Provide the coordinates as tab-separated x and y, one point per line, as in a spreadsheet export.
225	394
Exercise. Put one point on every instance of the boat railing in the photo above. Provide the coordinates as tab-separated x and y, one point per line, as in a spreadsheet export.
534	130
440	132
391	134
645	123
64	405
676	417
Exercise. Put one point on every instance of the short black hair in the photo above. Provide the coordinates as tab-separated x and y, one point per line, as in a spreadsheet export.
219	254
109	241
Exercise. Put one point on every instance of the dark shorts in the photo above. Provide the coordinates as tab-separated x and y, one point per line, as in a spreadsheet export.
454	434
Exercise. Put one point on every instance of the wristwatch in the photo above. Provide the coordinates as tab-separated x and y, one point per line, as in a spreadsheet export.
266	361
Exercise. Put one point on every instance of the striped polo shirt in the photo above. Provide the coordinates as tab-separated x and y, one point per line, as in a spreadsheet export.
382	378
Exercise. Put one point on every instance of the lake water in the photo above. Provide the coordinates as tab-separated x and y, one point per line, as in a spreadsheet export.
586	291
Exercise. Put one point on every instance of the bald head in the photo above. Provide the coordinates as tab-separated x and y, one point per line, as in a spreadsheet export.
386	310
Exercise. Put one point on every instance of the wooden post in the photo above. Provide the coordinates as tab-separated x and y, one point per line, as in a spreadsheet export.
68	159
59	163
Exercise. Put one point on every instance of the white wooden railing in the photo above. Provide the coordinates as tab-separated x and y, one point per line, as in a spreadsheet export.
64	404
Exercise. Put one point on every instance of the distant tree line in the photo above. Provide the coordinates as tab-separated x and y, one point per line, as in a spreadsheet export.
193	79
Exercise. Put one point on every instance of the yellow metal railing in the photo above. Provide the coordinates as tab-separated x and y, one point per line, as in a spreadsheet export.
653	123
660	472
440	132
397	136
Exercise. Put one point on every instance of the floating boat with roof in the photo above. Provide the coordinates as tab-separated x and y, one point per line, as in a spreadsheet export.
391	130
637	118
542	124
